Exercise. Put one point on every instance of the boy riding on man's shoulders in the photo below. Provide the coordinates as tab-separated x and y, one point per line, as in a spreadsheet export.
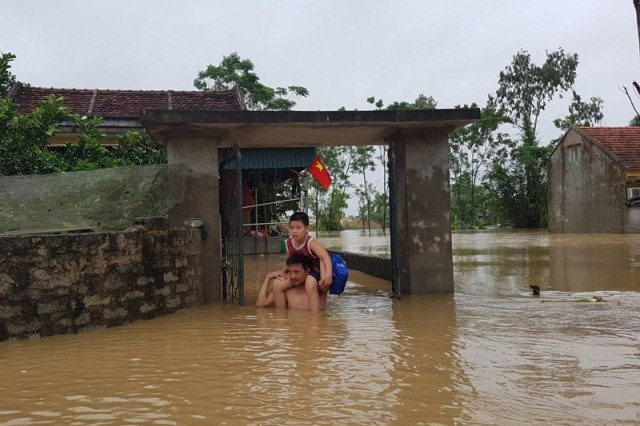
319	277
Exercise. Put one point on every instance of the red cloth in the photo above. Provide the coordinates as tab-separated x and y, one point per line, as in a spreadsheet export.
320	172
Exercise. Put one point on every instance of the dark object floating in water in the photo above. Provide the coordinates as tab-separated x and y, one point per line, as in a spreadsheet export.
535	289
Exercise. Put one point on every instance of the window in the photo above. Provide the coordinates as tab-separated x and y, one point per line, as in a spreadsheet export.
573	154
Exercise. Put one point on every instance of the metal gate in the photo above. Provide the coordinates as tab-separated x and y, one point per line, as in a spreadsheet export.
232	230
262	172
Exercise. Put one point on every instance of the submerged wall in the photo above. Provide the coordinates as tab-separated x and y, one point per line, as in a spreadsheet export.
55	284
378	267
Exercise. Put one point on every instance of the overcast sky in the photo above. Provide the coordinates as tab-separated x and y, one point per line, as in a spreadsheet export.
343	51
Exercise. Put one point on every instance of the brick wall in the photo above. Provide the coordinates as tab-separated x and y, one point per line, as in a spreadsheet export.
55	284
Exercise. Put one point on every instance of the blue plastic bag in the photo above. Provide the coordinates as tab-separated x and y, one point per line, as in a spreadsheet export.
340	274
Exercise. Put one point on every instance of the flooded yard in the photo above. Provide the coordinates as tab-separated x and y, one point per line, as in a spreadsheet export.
490	354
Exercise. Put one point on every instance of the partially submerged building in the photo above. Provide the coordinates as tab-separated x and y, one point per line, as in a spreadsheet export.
594	181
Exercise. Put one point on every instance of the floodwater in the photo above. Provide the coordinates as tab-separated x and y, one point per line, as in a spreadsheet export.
491	354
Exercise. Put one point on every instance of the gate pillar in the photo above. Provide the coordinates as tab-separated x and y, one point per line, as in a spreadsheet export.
422	232
194	192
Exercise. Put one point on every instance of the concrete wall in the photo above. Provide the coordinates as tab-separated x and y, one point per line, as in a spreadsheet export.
378	267
586	188
421	186
56	284
194	191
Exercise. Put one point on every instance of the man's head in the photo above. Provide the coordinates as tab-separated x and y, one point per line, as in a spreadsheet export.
298	267
298	225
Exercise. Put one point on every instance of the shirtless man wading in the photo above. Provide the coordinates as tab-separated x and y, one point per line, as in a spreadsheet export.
298	269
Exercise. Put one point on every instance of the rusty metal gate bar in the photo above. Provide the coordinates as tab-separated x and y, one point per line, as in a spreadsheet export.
232	234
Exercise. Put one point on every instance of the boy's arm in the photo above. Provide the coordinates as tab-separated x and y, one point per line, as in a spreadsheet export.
265	297
325	264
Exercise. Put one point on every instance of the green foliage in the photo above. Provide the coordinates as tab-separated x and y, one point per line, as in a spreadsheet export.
473	207
520	186
581	113
87	153
6	78
329	211
421	102
236	72
328	206
472	148
24	147
137	148
524	88
519	181
23	138
369	199
635	121
373	205
363	161
380	209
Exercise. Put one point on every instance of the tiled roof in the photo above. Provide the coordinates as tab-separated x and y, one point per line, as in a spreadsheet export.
126	104
622	141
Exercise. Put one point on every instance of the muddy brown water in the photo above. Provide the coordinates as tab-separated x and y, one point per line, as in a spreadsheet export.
490	354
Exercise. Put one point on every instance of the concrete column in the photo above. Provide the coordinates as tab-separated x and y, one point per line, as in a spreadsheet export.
423	212
194	192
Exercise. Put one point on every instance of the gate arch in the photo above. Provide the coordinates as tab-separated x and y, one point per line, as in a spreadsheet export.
418	139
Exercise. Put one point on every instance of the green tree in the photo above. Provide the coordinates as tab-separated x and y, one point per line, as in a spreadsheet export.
581	113
87	153
137	148
381	200
472	148
524	89
23	138
328	206
380	212
234	71
421	102
6	78
363	161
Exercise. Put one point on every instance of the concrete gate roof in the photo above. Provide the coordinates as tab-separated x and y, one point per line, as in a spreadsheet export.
279	129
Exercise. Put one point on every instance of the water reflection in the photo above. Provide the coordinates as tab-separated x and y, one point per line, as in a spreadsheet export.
358	241
426	372
491	354
594	262
557	363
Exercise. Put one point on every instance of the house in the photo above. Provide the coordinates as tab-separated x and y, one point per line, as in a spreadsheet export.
594	181
121	110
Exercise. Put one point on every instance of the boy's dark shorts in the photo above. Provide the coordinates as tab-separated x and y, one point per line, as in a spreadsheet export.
315	274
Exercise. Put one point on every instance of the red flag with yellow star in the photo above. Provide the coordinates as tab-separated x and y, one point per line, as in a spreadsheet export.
320	172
